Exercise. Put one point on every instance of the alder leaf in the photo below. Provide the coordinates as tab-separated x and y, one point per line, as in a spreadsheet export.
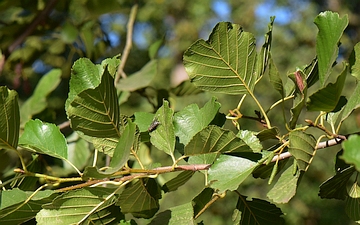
302	147
226	63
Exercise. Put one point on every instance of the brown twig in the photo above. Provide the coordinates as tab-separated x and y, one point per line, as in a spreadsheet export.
32	26
128	45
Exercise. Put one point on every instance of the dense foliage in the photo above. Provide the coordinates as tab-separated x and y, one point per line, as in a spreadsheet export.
112	164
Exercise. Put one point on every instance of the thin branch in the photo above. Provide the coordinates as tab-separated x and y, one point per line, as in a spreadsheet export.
128	45
32	26
321	145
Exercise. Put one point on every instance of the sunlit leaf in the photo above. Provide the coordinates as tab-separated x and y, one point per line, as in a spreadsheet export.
95	112
176	182
37	102
228	172
44	138
78	152
139	79
192	120
336	186
163	137
327	98
352	207
141	199
331	28
250	140
105	145
9	119
351	151
143	120
226	63
302	147
71	207
285	187
178	215
257	211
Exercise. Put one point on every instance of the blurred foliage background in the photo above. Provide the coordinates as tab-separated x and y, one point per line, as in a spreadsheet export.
36	36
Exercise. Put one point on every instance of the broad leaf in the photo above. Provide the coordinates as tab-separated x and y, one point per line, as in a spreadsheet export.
312	73
192	120
302	147
95	112
215	139
78	152
9	119
37	102
105	145
285	188
143	120
84	75
185	88
336	186
44	138
351	151
268	134
257	211
14	210
163	137
228	172
176	182
62	209
225	63
141	199
139	79
331	28
250	140
352	207
327	98
178	215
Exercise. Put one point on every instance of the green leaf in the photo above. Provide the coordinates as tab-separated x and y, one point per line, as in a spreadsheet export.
352	104
275	78
312	73
300	96
351	151
354	61
200	201
176	182
178	215
327	98
105	145
139	79
143	120
215	139
285	188
268	134
111	64
228	172
250	140
163	137
257	211
9	119
95	112
226	63
352	203
37	102
331	28
44	138
335	186
14	211
84	75
302	147
122	150
71	207
141	199
192	120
